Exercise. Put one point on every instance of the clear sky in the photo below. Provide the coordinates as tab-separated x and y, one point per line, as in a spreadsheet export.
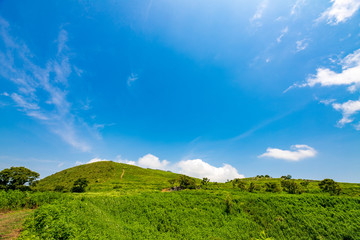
218	89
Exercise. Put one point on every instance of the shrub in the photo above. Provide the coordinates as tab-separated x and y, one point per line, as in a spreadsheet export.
330	186
272	187
80	185
291	187
186	182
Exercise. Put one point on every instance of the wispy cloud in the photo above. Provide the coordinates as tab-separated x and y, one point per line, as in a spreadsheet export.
259	12
296	6
17	64
297	153
301	45
132	78
192	167
340	11
282	34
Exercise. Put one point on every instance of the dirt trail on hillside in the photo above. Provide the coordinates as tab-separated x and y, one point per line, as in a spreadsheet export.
11	223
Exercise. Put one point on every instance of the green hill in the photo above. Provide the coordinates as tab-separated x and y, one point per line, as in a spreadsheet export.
106	175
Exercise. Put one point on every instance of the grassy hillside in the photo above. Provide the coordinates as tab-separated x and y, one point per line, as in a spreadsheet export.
106	175
132	207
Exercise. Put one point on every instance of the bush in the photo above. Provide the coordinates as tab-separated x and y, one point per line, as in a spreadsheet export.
80	185
291	187
272	187
186	182
330	186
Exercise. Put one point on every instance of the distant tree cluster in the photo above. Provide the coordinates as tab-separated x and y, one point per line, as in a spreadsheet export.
17	178
287	177
263	176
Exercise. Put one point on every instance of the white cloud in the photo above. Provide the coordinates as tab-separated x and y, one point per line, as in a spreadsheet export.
200	169
297	153
296	6
327	101
301	45
5	94
348	109
283	32
119	159
17	64
350	74
151	161
195	168
340	11
132	78
259	11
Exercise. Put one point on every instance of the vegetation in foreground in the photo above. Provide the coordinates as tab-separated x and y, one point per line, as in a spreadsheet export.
129	204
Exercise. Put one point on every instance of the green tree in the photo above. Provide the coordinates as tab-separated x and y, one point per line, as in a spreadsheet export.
291	187
330	186
17	178
272	187
186	182
80	185
205	181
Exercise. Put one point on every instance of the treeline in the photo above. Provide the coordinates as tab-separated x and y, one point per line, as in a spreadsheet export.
287	185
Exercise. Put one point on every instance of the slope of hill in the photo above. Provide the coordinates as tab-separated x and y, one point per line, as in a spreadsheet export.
108	175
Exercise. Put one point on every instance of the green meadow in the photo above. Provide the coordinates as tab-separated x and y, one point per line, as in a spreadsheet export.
127	202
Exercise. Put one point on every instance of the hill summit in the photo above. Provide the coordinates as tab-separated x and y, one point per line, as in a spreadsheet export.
108	175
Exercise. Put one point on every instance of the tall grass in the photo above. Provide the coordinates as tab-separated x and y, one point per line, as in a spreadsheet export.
197	215
13	200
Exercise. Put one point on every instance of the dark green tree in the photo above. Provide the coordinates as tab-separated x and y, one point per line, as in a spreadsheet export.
305	183
17	178
330	186
205	181
291	187
186	182
80	185
272	187
287	177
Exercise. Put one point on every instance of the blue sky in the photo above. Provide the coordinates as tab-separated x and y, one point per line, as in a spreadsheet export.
218	89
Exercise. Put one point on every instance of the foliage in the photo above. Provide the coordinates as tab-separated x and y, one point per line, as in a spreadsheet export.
287	177
205	181
186	182
80	185
237	182
272	187
253	187
198	214
16	199
263	176
59	188
229	204
330	186
17	177
291	187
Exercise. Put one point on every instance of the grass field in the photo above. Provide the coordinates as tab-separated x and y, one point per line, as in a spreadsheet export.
134	207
